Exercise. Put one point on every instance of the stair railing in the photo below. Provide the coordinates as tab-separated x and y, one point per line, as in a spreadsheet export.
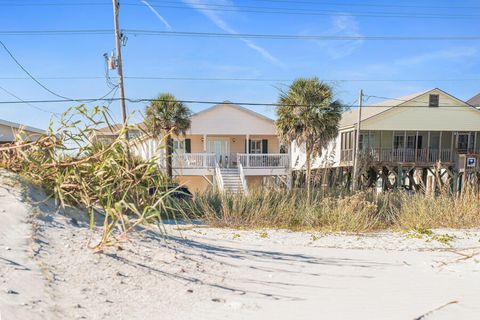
218	177
242	178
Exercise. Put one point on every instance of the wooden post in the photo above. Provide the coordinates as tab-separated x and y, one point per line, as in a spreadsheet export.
404	144
118	39
399	176
429	185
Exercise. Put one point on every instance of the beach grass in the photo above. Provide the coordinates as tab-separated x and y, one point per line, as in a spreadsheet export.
358	212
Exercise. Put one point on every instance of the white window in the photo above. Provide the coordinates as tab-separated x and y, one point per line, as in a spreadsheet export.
179	146
256	146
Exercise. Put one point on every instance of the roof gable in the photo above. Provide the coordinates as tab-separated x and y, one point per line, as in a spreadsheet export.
229	118
452	114
388	107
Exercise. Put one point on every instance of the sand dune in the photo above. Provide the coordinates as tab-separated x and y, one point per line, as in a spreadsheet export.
47	271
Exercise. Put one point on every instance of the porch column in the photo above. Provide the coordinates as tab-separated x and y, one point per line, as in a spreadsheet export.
393	152
451	148
428	147
380	158
416	146
468	140
205	151
475	142
404	144
247	149
440	148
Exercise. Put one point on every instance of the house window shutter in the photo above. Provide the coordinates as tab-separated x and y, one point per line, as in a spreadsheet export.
249	146
265	146
188	145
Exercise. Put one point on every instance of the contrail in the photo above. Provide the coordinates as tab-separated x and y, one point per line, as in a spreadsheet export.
155	12
219	22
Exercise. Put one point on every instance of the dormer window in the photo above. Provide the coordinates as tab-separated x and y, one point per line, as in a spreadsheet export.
433	100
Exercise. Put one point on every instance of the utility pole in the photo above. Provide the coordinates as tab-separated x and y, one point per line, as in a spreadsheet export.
357	142
118	40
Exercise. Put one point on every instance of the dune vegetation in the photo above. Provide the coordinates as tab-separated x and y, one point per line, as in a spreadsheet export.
362	211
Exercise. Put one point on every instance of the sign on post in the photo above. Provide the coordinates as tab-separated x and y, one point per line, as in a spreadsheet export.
471	162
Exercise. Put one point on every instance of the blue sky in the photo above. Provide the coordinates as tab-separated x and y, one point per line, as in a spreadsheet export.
160	56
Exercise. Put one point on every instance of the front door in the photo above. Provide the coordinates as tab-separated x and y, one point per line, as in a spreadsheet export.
221	148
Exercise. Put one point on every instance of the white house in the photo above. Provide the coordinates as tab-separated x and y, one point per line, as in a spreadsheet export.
228	146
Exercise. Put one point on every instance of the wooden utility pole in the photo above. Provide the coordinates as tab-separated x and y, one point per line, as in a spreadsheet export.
357	142
118	40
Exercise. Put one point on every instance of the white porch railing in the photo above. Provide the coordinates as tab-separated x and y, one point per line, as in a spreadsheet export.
219	178
409	155
242	178
193	160
263	160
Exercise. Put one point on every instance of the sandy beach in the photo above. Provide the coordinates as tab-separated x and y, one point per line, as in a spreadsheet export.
47	271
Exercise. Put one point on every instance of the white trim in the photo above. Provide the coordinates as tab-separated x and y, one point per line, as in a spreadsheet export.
236	106
21	126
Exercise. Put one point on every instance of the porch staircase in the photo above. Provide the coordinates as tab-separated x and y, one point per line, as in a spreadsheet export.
232	182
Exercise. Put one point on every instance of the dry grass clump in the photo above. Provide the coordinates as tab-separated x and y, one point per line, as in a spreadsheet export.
76	170
289	209
441	211
359	212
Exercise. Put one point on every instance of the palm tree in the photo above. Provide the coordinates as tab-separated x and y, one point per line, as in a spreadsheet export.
166	116
308	115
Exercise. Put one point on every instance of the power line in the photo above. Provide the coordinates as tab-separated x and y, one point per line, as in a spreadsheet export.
292	37
317	3
312	12
376	5
138	32
238	79
56	32
41	84
27	103
28	73
266	10
142	100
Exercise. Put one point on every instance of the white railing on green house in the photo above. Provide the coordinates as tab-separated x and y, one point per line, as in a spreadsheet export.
263	160
242	178
407	155
193	160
